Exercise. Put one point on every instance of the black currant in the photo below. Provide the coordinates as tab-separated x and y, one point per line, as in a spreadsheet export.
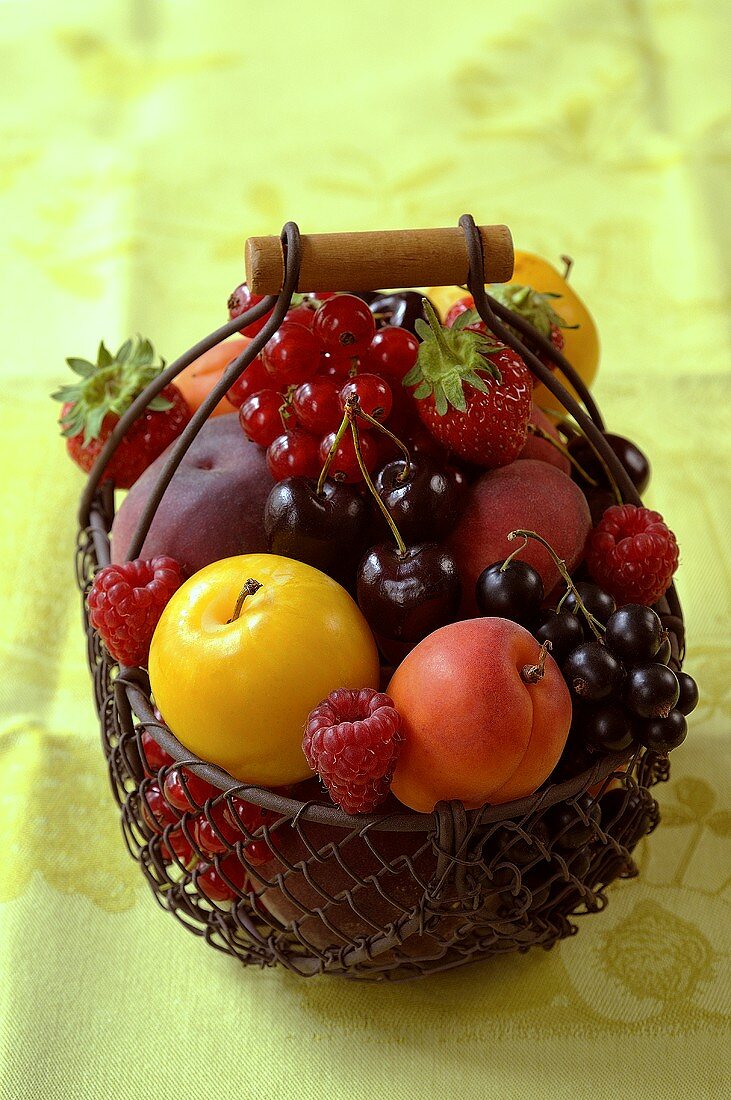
596	601
662	735
606	727
626	815
563	630
665	651
510	591
592	672
651	690
517	849
634	633
688	693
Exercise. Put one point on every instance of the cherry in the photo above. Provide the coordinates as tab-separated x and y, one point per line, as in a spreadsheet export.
258	852
651	690
373	393
634	633
510	590
687	693
293	454
316	405
407	594
606	727
154	756
224	882
392	352
563	630
401	309
261	418
292	355
186	791
344	465
156	811
629	454
254	379
591	671
344	323
665	651
426	505
596	601
242	299
325	529
662	735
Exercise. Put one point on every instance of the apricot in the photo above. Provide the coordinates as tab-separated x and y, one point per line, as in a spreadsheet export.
474	729
528	494
539	448
197	380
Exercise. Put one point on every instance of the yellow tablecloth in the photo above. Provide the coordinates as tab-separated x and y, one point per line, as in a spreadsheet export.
141	143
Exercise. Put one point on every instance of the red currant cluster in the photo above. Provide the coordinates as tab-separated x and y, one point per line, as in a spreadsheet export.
291	398
200	839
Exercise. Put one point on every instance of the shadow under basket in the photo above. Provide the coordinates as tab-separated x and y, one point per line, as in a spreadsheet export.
392	895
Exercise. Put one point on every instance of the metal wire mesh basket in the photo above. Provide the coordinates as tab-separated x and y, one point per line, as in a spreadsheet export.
392	895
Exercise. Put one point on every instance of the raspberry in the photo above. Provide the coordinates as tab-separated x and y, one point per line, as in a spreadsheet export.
632	554
352	741
126	601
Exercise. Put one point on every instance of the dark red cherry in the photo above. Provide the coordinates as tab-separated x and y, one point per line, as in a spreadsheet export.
629	454
405	596
424	506
325	530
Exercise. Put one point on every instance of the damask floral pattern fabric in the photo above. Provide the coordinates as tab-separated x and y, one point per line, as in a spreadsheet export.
141	144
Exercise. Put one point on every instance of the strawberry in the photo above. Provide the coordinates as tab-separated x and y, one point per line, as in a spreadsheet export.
93	405
473	394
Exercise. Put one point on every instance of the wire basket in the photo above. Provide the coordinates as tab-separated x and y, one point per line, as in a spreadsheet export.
392	895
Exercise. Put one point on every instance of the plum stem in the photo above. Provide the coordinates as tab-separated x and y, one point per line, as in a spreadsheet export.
568	263
249	589
532	674
594	624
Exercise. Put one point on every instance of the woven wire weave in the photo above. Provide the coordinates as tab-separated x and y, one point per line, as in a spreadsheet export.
393	895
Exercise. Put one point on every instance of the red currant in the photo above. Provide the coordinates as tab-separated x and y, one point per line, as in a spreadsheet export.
344	466
210	840
156	810
248	816
339	367
301	315
292	355
242	299
258	852
293	454
178	844
154	757
186	791
212	883
253	380
344	322
374	394
317	405
393	352
261	418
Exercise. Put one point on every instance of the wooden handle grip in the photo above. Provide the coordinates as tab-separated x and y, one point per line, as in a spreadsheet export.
379	261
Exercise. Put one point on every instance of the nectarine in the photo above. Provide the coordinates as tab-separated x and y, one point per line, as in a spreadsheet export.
528	494
475	727
539	448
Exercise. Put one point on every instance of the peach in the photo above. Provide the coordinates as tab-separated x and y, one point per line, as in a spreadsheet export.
475	728
541	449
529	494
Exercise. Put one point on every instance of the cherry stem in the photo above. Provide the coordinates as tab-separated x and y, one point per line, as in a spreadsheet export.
402	477
534	429
532	674
560	564
367	478
331	453
569	427
568	263
249	589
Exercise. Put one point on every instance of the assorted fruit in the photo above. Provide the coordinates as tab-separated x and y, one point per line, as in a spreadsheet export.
355	605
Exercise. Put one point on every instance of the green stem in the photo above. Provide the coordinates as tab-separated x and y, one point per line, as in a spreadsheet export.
560	564
402	477
534	429
568	263
249	589
331	453
367	478
435	326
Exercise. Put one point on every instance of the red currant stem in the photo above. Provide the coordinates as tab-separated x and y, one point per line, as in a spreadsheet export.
568	263
532	674
249	589
285	407
560	564
353	411
534	429
331	453
514	554
394	439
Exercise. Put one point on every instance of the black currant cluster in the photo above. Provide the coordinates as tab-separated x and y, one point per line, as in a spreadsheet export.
614	661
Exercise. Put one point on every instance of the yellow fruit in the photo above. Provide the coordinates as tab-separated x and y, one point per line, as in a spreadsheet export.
238	693
581	345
